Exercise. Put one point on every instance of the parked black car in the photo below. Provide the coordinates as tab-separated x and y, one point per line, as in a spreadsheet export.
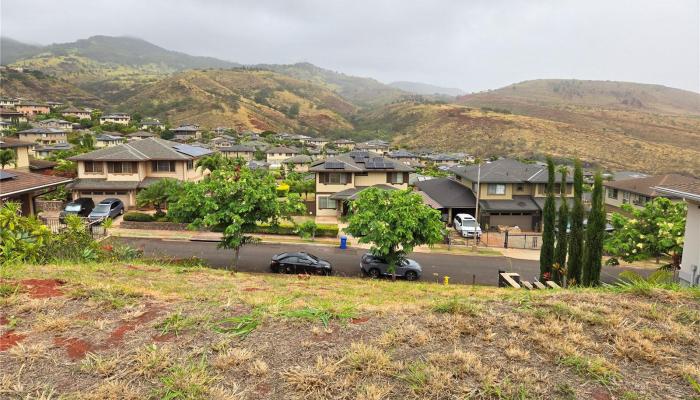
300	263
80	207
376	267
107	208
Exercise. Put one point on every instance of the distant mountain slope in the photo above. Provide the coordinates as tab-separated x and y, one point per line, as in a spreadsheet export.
244	99
526	97
12	50
364	92
41	87
426	89
450	127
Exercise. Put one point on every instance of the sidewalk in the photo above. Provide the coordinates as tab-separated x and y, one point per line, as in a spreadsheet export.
216	237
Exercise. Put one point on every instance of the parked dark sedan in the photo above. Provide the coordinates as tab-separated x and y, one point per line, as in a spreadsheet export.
376	267
107	208
300	263
79	207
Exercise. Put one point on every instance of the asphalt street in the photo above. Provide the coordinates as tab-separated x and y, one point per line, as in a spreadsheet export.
256	258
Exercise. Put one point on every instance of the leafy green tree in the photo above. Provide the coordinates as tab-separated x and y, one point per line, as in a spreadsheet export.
214	162
7	157
575	259
562	227
158	194
233	201
393	222
307	229
595	235
293	111
87	142
259	155
656	230
22	239
167	134
549	222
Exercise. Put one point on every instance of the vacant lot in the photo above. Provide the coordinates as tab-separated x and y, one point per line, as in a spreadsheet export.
143	330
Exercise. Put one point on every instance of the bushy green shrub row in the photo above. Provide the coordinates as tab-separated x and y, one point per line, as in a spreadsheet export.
322	230
136	216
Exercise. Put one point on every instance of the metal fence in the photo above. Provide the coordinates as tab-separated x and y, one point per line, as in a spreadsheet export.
519	240
56	225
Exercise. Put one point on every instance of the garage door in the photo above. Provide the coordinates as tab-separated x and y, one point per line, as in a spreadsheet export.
99	196
522	221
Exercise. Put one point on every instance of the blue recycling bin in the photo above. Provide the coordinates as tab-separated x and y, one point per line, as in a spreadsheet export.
343	242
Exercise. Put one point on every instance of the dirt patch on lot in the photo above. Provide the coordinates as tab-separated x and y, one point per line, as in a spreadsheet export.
75	348
43	288
10	339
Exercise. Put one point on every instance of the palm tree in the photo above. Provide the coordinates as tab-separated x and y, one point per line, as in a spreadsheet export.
7	157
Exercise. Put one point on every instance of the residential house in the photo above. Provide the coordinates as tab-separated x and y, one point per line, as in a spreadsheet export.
298	163
188	131
238	151
76	113
54	104
276	155
223	141
44	151
510	193
8	102
30	108
344	144
222	130
18	184
448	196
116	118
43	135
339	179
318	143
56	124
5	126
121	171
109	139
639	191
403	156
376	145
13	116
140	135
690	193
152	124
442	159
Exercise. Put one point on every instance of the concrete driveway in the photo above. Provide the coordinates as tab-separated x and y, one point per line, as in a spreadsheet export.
463	269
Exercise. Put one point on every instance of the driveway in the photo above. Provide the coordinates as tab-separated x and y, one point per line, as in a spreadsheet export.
256	258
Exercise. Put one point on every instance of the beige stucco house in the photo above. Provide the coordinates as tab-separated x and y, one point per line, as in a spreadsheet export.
76	113
121	171
639	191
43	135
116	118
238	151
30	109
339	179
276	155
56	124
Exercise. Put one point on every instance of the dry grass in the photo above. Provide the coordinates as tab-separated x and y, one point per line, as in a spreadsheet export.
198	334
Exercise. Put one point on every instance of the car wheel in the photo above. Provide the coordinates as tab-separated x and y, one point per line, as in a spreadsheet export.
411	275
374	273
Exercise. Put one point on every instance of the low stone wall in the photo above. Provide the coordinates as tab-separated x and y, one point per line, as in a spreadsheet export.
49	205
161	226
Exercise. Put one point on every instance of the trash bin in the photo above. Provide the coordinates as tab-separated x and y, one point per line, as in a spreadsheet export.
343	242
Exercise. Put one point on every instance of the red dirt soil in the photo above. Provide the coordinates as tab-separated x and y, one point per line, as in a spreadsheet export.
42	288
117	335
359	320
9	339
135	268
76	348
254	289
163	338
4	320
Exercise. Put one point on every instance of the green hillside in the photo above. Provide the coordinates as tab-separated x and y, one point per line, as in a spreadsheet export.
38	86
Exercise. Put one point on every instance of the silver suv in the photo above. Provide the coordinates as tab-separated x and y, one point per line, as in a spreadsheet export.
375	267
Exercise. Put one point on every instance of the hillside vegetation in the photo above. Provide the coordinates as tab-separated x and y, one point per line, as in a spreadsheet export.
39	86
245	99
145	330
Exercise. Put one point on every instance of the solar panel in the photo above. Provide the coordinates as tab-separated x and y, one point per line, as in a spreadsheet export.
333	165
379	163
6	175
192	151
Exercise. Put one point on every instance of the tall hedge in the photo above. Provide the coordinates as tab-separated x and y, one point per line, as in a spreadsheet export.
549	221
562	235
595	231
575	259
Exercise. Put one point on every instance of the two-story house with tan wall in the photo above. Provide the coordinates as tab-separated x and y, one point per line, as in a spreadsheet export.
121	171
510	192
238	151
56	124
44	136
344	144
18	183
12	115
276	155
30	109
639	191
76	113
116	118
339	179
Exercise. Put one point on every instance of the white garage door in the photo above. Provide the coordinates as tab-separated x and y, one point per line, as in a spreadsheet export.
522	221
98	196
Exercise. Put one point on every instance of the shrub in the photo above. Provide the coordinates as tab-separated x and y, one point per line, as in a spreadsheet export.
307	229
22	239
322	230
74	243
138	217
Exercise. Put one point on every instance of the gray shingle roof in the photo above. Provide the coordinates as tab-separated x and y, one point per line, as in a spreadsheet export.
358	163
448	193
300	159
506	170
282	150
138	150
518	203
237	148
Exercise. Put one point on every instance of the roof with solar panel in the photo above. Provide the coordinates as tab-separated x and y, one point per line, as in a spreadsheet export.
145	150
358	161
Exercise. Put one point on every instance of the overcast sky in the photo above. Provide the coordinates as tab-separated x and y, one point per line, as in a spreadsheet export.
472	45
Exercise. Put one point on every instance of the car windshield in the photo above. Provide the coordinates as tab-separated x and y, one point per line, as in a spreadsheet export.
73	207
469	224
312	257
102	208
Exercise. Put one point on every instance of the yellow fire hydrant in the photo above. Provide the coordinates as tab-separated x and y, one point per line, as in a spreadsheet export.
446	280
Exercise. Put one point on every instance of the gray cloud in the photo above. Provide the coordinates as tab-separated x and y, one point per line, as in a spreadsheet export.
473	45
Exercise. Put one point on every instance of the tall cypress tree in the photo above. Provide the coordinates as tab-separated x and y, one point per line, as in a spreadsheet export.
575	261
592	260
549	221
562	235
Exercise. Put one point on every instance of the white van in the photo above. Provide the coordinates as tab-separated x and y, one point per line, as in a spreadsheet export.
466	225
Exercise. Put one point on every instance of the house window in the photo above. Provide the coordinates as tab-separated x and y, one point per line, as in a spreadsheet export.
612	193
337	178
93	167
625	197
325	202
190	164
122	167
520	187
496	188
163	166
395	178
